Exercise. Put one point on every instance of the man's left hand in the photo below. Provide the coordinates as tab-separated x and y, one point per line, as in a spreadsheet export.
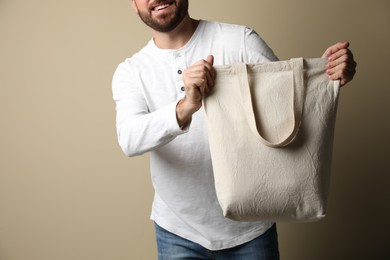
341	64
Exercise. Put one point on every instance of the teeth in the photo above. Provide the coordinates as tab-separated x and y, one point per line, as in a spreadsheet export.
158	8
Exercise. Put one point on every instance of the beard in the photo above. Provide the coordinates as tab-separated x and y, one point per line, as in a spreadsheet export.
168	22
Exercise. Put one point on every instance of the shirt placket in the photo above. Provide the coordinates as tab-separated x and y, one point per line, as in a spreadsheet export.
180	66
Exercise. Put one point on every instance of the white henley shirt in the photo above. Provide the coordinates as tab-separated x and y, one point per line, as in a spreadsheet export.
146	89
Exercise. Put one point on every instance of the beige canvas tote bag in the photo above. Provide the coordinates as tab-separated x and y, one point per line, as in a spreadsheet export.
271	130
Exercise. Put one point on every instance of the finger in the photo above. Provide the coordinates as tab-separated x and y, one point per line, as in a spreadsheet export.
340	58
212	74
210	60
202	72
345	54
208	63
341	72
204	63
337	71
204	82
201	82
345	62
200	75
337	59
334	48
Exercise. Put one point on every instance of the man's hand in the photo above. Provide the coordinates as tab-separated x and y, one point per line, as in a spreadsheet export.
198	81
341	64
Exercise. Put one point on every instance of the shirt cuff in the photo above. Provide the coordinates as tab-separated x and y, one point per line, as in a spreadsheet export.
172	123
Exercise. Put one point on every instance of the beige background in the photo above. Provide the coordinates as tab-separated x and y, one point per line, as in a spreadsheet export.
68	193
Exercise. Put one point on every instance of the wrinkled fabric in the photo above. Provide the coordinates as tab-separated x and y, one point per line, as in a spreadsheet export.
279	167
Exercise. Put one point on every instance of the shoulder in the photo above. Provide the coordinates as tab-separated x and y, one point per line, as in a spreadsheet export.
236	43
137	61
222	27
222	36
229	34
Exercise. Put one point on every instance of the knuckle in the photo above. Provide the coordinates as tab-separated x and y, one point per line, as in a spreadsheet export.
202	74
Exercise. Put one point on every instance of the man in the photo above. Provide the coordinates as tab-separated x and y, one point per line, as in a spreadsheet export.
158	93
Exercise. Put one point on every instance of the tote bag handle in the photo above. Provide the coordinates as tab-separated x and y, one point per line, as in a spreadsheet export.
298	100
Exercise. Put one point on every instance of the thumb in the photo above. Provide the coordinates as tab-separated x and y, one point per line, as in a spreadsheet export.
210	59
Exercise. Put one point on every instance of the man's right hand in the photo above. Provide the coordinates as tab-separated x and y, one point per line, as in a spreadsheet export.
198	80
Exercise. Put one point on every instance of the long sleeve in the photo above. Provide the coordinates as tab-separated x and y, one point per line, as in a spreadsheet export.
138	129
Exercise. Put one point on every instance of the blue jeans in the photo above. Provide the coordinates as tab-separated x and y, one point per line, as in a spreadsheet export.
172	247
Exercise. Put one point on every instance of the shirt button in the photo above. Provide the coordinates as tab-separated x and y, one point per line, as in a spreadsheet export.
183	88
179	72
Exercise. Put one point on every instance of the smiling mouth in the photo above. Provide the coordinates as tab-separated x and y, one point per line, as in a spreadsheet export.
161	7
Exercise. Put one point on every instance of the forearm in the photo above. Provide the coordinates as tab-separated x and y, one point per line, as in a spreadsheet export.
143	132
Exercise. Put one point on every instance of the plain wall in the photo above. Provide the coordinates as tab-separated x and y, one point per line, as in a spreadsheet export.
68	193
